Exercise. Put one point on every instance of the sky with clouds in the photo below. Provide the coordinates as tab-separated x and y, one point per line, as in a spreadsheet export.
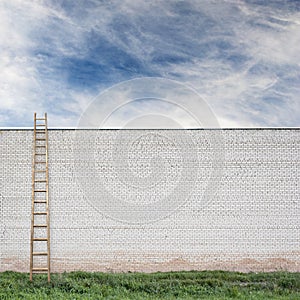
241	56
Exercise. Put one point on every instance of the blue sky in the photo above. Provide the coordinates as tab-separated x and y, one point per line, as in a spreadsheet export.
241	56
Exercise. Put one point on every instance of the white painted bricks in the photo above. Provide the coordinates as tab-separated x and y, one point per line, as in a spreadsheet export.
248	219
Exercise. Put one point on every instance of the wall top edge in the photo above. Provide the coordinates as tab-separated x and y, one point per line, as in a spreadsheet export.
115	129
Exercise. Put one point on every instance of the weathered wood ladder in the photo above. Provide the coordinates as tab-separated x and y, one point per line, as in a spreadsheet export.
40	222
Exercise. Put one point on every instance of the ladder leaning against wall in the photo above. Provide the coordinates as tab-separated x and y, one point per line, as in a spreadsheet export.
40	229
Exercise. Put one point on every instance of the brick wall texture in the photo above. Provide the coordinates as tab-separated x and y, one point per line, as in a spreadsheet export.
157	200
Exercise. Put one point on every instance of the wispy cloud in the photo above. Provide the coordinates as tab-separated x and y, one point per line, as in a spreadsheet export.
241	56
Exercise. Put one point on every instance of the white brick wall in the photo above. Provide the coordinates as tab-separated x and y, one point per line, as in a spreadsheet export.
157	200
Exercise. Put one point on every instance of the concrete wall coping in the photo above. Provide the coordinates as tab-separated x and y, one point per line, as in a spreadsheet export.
115	129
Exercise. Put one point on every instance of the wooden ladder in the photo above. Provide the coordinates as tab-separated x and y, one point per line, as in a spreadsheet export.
40	222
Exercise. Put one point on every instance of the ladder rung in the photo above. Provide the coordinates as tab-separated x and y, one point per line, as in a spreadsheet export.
39	269
40	124
40	201
40	146
40	153
40	180
40	239
40	139
40	191
40	213
40	162
40	119
40	226
39	253
39	171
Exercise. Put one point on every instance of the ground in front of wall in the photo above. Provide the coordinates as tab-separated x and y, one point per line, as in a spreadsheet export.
171	285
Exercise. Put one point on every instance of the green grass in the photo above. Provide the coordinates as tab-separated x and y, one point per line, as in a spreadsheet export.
172	285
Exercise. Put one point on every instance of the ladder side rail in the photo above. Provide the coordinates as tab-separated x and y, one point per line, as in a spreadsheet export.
47	198
32	198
